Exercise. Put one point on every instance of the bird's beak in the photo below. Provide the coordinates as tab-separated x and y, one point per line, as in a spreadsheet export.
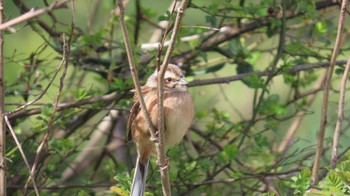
182	81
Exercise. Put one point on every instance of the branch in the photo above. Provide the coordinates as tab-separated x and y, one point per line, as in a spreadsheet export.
133	68
32	14
40	95
113	96
63	106
22	154
340	115
160	145
323	123
51	31
64	186
46	137
286	141
230	32
295	69
2	105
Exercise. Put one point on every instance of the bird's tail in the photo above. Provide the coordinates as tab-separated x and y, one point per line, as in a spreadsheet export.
139	180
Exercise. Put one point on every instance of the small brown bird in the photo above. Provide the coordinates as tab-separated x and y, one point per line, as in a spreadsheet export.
178	116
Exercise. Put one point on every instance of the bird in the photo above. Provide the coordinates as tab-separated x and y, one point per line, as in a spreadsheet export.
178	116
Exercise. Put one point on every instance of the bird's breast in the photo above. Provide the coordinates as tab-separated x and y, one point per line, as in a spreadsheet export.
179	112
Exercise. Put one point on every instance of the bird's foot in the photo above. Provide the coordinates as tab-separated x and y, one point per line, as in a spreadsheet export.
154	138
164	166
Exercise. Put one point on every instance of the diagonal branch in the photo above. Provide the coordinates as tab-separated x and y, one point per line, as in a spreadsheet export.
22	153
133	68
32	14
46	137
327	84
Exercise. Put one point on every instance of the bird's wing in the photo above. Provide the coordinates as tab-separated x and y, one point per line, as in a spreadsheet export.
134	111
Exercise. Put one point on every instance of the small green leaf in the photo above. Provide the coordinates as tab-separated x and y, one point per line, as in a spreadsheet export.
231	151
320	28
339	70
210	69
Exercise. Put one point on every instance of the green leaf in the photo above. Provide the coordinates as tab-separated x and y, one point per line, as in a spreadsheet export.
302	182
333	182
211	20
320	28
339	70
244	67
165	17
231	151
254	81
210	69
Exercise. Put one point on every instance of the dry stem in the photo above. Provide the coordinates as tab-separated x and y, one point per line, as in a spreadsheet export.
133	67
340	115
323	123
32	14
160	146
22	153
2	105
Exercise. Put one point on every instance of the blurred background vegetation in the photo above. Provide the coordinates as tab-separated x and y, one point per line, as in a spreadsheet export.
237	145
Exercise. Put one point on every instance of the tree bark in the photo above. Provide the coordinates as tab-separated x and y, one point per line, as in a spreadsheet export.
2	104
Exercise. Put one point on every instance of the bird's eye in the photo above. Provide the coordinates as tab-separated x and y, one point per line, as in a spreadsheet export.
168	79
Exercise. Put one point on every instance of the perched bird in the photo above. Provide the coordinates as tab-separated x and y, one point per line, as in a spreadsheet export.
178	115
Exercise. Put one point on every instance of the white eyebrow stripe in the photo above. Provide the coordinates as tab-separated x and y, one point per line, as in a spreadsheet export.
169	74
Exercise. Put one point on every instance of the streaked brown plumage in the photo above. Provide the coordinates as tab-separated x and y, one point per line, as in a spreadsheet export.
178	113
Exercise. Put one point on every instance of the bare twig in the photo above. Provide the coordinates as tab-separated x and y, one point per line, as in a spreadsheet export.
160	145
113	96
157	33
286	141
328	79
232	32
295	69
165	34
32	14
2	105
133	68
40	95
340	115
64	186
67	105
22	153
64	61
51	31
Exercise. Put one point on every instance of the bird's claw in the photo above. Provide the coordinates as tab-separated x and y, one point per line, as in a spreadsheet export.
154	138
164	166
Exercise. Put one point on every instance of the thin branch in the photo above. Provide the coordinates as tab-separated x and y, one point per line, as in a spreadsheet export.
231	32
32	14
2	111
157	33
227	80
286	141
65	61
295	69
133	68
160	145
51	31
64	186
67	105
340	115
323	123
22	153
40	95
